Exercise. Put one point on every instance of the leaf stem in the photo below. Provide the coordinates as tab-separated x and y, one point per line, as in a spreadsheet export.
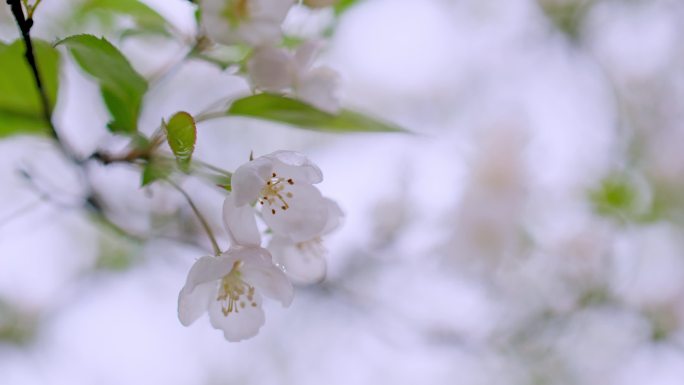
200	217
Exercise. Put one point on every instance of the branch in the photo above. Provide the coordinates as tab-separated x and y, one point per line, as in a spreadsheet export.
25	25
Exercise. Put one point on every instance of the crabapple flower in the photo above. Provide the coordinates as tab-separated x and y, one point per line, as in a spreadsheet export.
253	22
278	70
230	287
304	262
282	185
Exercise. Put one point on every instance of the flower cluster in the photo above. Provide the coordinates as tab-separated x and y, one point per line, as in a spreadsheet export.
230	286
271	68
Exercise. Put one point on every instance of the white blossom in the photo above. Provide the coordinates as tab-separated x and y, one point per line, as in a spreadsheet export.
253	22
282	184
304	262
275	69
230	286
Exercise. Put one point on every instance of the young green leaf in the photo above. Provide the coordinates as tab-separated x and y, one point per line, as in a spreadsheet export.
181	134
147	20
21	111
122	87
290	111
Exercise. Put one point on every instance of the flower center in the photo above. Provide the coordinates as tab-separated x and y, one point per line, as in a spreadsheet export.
274	193
234	292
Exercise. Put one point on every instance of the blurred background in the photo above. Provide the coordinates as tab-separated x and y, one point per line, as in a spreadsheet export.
529	232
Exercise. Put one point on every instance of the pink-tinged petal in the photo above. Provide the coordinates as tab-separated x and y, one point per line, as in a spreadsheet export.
248	180
193	303
237	325
267	278
271	69
320	88
304	218
335	216
240	223
291	164
304	263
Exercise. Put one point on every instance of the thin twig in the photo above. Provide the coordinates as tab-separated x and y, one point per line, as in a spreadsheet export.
200	217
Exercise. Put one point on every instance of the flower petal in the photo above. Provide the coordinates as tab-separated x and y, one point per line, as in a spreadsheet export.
306	53
335	216
267	278
319	87
240	223
271	69
193	297
207	269
296	166
304	263
305	217
193	303
240	325
249	179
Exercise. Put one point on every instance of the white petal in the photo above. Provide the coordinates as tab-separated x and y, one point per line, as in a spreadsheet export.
319	87
240	325
303	263
306	53
304	219
207	269
335	216
258	32
296	166
249	179
193	297
267	278
240	223
271	69
193	303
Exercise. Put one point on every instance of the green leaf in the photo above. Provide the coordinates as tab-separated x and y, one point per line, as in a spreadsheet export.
290	111
157	168
122	87
181	133
145	18
21	111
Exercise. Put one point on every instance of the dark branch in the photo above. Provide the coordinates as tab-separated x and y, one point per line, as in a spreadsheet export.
25	25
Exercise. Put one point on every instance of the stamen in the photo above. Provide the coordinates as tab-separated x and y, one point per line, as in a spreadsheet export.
232	291
273	193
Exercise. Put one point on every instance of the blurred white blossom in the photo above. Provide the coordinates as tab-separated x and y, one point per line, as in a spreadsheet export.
279	70
253	22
